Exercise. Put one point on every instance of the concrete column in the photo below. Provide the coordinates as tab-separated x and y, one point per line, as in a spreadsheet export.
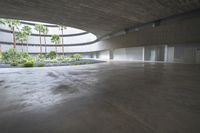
111	54
143	54
170	54
97	55
166	54
94	55
198	55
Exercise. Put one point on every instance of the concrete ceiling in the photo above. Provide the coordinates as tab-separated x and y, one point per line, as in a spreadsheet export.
100	17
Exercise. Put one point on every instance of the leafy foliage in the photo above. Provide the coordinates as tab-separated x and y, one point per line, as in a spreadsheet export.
53	61
11	56
21	36
29	63
42	29
1	56
52	55
15	58
42	56
62	27
39	28
45	30
63	59
55	39
27	30
2	21
76	57
14	63
41	65
25	55
12	23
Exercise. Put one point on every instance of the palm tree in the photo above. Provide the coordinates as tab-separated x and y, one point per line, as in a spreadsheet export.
13	24
21	36
27	31
62	28
40	28
45	32
55	39
2	21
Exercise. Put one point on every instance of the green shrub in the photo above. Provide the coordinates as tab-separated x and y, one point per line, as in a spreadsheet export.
11	56
71	59
14	63
42	56
76	57
1	56
29	63
23	60
77	63
24	55
89	62
52	55
41	65
63	59
53	61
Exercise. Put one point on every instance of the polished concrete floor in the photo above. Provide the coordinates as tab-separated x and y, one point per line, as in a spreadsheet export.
115	97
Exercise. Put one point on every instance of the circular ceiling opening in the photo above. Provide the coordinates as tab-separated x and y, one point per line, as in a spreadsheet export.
42	33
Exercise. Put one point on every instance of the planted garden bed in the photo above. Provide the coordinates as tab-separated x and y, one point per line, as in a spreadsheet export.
13	59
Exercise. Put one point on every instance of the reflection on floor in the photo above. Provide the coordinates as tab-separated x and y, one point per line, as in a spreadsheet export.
115	97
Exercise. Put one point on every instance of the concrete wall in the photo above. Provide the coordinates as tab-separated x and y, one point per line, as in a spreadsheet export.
198	55
131	54
170	54
86	55
154	53
103	55
184	54
164	53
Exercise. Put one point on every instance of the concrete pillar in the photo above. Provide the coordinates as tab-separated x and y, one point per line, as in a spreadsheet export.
198	55
143	54
97	55
166	54
170	54
111	54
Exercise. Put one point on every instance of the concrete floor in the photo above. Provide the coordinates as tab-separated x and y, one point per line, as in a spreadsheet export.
115	97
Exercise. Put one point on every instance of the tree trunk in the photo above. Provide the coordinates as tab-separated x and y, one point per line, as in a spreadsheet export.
45	44
40	43
22	46
27	46
56	48
14	38
63	50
